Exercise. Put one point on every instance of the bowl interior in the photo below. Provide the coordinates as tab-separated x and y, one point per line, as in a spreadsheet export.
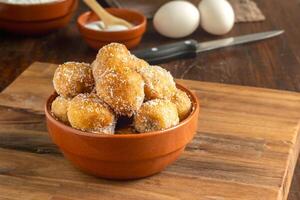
195	110
133	17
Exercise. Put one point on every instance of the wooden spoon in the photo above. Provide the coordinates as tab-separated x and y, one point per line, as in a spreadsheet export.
106	17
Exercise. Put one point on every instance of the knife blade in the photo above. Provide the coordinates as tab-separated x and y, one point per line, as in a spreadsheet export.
190	48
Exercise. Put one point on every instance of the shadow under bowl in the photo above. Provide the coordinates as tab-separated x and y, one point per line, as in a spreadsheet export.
123	156
97	39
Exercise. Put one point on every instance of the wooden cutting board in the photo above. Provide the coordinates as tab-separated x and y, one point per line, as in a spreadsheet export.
245	148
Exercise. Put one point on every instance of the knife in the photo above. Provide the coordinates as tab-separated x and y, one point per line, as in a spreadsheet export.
190	48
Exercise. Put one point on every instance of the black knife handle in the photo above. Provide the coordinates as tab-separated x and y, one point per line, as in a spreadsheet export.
168	52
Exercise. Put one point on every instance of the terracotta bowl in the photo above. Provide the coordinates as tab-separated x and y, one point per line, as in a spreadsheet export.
123	156
38	27
97	39
35	12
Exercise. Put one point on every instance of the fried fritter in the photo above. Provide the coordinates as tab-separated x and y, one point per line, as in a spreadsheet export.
72	78
111	55
88	113
59	108
115	55
183	104
156	115
159	83
122	89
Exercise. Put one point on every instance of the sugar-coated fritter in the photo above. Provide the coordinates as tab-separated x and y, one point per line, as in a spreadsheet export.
118	84
111	55
122	89
88	113
59	108
155	115
159	83
183	104
72	78
115	55
137	63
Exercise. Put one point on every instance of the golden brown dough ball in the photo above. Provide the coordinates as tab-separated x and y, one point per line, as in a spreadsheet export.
122	89
137	63
88	113
72	78
159	83
155	115
112	52
183	104
111	55
59	108
115	55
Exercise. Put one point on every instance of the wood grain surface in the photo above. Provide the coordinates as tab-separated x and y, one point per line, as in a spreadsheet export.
246	148
271	63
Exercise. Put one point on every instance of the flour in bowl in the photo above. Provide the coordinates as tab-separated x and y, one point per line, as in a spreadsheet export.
20	2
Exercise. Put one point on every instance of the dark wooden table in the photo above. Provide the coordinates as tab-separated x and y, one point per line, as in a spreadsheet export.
273	63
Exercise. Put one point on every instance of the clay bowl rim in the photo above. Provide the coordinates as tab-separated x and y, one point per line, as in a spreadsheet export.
34	4
195	109
134	28
55	9
70	12
34	23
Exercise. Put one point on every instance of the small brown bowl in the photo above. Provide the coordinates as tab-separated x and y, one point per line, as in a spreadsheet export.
97	39
35	12
38	27
123	156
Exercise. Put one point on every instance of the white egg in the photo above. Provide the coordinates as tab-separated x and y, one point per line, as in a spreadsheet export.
176	19
217	16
